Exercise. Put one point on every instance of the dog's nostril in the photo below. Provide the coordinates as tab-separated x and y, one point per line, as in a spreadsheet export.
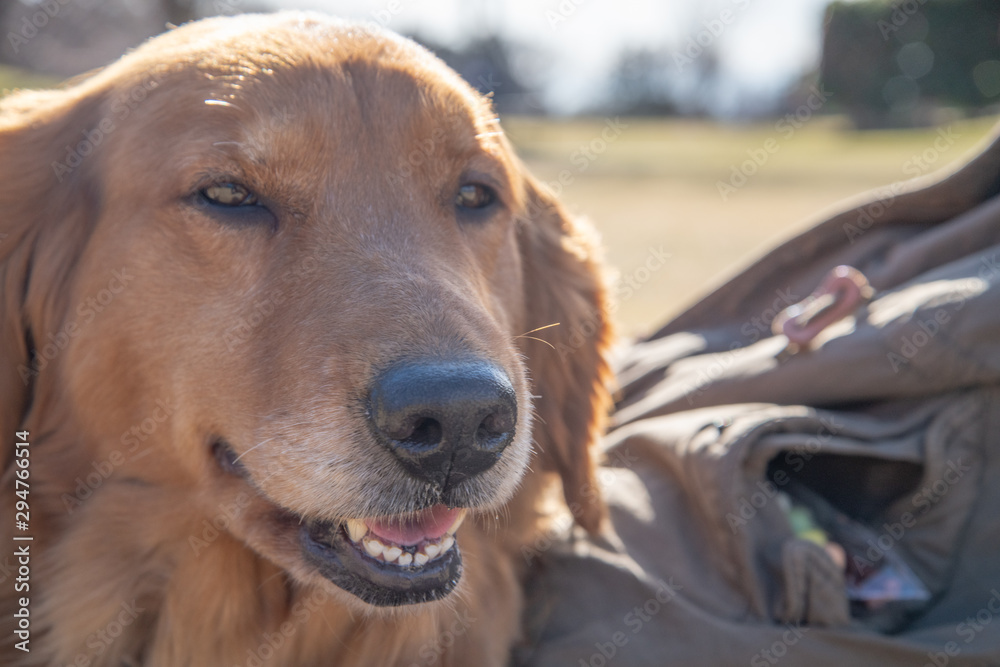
426	433
493	429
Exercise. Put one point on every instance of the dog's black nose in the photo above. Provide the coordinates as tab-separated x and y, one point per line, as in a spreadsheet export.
445	421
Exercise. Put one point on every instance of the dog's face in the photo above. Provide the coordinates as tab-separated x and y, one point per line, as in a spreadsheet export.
316	241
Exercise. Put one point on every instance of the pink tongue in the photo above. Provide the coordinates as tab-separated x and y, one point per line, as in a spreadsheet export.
430	524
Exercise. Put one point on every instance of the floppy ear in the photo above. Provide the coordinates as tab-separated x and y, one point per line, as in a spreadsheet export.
46	209
564	283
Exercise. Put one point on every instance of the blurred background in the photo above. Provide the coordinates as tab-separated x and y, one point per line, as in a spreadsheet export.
701	130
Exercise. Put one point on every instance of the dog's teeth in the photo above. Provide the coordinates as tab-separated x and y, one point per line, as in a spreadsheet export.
458	522
420	559
432	550
356	530
447	543
391	553
405	558
374	548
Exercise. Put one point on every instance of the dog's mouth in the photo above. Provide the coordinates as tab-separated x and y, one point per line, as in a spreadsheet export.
389	561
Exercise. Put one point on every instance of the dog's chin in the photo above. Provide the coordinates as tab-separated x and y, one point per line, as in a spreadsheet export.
391	561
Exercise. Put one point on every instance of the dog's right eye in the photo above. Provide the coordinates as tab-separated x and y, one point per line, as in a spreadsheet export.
229	194
233	203
473	196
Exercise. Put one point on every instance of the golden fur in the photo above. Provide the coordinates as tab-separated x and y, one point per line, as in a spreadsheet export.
137	327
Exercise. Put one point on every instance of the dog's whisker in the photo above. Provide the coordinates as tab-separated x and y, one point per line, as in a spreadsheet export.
275	437
279	573
263	442
327	622
538	339
547	326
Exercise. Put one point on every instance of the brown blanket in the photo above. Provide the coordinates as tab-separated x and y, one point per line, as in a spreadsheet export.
891	416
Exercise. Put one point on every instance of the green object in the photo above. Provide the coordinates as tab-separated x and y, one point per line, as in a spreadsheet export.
815	536
804	524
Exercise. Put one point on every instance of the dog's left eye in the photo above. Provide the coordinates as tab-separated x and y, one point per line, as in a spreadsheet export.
474	196
229	194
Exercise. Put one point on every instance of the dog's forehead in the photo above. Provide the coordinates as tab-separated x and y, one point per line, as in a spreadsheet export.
332	81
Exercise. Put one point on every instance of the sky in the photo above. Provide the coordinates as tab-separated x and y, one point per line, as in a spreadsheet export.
573	44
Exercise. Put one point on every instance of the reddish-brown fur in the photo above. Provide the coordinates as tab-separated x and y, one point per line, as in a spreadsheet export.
267	334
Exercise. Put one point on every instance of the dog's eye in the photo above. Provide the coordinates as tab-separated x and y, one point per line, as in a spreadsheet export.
229	194
474	196
233	203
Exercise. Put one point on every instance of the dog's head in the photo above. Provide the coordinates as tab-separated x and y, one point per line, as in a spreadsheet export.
292	264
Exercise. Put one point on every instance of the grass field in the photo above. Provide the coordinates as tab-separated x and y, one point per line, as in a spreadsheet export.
650	184
655	185
13	77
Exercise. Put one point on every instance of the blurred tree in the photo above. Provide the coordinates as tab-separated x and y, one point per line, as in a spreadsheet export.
66	38
641	83
897	63
180	11
489	65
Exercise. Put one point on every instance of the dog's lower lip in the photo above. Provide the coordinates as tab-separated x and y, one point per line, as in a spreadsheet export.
412	577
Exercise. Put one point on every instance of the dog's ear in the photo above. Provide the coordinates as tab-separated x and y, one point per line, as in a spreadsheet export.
564	285
47	205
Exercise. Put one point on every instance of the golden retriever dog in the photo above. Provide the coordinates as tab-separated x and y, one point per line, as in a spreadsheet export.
276	302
